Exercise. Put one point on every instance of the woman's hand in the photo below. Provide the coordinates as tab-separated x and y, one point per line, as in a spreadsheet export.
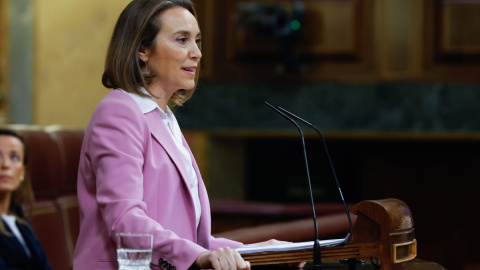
222	259
275	242
269	242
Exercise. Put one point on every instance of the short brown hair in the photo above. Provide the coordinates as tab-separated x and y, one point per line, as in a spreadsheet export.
138	25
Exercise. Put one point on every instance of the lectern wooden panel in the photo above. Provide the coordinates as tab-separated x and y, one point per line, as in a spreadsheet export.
383	230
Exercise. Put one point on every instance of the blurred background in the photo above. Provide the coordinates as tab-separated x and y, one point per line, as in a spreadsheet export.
393	84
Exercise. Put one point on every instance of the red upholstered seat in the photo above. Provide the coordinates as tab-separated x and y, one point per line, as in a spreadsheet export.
47	223
69	210
44	167
69	143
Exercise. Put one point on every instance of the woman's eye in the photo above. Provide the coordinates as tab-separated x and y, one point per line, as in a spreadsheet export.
15	158
182	39
198	40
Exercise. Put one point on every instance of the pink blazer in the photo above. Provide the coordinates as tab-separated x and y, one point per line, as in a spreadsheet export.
131	178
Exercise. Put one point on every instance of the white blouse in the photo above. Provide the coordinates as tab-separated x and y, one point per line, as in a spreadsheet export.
11	222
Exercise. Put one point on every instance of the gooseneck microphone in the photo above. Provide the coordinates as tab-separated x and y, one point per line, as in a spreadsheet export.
331	166
317	257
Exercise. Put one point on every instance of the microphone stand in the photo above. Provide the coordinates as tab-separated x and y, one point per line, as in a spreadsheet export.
317	257
331	166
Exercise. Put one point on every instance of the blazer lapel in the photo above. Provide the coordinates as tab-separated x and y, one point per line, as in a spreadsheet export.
15	243
162	135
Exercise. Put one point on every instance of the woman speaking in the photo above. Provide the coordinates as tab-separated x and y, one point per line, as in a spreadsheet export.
136	172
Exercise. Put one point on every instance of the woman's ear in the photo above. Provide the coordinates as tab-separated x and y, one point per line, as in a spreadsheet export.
143	54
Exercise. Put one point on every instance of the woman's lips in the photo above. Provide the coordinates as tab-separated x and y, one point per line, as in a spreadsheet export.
189	70
5	177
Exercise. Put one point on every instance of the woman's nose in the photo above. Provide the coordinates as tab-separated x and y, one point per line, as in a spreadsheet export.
4	162
195	52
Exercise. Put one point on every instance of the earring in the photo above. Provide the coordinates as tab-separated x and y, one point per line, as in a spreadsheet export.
22	178
146	66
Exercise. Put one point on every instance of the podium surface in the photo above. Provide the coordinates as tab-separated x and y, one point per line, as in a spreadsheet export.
417	264
383	231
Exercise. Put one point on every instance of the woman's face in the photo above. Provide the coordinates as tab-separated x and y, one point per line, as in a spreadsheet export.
175	56
12	169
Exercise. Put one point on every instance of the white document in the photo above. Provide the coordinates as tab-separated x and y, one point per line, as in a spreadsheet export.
287	246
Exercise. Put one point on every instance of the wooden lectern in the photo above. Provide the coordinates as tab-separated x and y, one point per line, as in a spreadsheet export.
383	230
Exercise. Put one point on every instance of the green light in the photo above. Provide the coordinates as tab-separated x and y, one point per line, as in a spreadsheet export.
295	25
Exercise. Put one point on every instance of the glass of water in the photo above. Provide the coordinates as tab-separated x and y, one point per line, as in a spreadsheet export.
134	251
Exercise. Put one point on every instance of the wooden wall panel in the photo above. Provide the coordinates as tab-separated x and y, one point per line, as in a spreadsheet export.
330	28
205	10
336	40
348	40
399	38
460	27
452	40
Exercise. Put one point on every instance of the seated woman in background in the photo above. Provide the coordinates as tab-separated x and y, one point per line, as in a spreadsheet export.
19	248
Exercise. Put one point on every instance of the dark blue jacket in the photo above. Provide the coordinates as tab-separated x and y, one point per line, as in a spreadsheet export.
13	255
